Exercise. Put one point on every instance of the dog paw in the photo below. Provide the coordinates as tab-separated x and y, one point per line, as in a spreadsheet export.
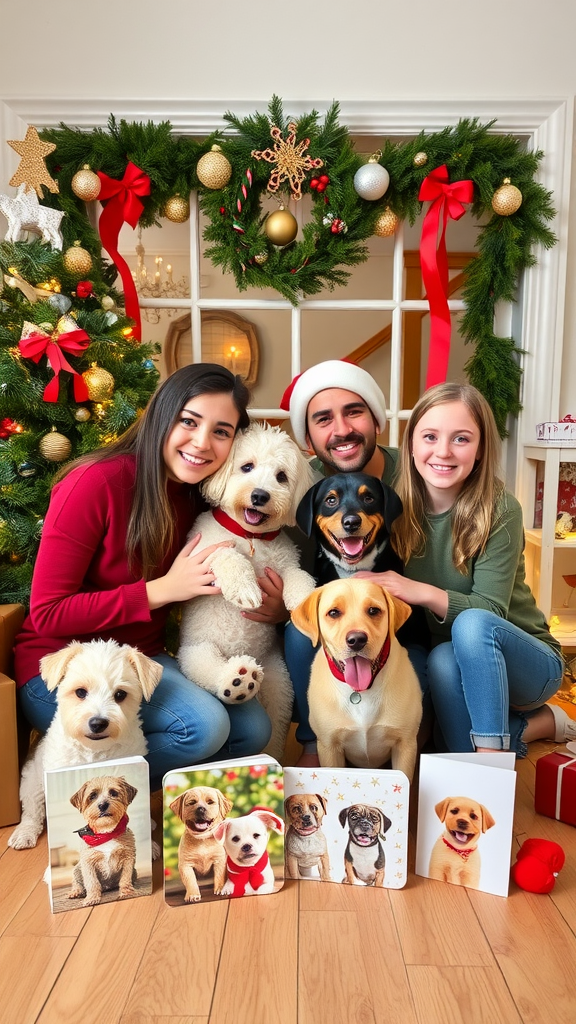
76	893
23	838
91	901
239	681
192	897
227	889
125	891
246	596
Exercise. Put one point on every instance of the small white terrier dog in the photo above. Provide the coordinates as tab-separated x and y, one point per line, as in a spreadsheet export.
100	687
245	839
256	492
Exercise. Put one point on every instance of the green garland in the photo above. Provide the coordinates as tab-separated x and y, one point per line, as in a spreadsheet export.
237	237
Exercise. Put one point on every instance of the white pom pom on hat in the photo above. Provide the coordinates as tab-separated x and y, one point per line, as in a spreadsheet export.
333	373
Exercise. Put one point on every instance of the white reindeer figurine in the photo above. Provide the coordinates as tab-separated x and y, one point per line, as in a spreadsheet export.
24	213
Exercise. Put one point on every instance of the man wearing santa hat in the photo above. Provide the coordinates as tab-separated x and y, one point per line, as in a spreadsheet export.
336	411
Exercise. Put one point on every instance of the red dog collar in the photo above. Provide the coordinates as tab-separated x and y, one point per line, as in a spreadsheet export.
98	838
377	665
461	853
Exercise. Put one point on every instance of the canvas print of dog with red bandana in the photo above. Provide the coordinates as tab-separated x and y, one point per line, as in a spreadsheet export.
223	830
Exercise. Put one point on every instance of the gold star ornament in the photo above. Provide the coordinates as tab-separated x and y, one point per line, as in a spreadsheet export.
32	170
291	164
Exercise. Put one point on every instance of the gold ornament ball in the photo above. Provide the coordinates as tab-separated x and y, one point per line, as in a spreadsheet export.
177	209
54	447
281	227
421	159
506	199
77	261
386	224
214	170
261	258
99	382
86	185
82	414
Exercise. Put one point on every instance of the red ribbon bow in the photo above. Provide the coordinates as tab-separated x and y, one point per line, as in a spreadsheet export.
35	342
446	200
123	206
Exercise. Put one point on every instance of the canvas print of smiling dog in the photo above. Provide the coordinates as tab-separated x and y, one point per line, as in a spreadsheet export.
99	841
347	825
223	830
465	816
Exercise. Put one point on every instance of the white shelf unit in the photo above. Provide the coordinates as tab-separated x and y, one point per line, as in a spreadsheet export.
542	546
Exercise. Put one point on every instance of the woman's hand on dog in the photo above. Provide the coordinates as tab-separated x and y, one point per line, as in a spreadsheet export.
189	576
272	609
410	591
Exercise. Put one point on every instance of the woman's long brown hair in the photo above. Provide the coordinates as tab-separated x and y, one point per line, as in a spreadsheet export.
150	527
473	511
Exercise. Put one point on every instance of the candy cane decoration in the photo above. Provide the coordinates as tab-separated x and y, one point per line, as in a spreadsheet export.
246	184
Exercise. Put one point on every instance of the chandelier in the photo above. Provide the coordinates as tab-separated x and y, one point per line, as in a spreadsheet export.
158	285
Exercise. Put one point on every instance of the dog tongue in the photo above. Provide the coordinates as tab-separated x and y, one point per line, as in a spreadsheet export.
252	517
352	546
358	673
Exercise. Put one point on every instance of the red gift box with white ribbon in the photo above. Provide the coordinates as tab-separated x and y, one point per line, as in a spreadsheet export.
555	789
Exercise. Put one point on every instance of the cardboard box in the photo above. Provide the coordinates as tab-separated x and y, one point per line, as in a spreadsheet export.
555	789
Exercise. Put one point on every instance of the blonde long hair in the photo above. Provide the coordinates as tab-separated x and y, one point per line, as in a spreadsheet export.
473	510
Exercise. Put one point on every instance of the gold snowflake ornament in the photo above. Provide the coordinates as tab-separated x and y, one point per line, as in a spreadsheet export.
291	164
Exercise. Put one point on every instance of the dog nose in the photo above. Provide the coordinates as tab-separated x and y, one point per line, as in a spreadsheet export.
351	522
97	724
259	497
103	806
246	848
356	639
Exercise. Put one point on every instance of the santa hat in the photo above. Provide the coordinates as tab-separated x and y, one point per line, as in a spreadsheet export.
334	373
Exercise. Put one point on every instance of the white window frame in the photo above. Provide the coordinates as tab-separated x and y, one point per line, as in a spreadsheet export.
538	316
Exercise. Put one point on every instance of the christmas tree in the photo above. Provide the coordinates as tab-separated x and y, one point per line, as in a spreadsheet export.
73	376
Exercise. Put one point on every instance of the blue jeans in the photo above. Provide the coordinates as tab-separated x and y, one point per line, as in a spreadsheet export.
487	680
299	654
183	724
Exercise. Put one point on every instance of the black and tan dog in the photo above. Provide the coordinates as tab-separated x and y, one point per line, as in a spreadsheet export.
350	516
108	859
202	809
305	844
364	855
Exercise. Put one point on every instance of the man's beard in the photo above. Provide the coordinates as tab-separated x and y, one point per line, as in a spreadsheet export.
361	460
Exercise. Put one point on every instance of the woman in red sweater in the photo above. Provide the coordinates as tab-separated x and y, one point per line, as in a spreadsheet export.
113	559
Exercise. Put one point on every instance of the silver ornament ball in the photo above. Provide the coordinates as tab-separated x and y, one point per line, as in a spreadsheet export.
60	302
371	181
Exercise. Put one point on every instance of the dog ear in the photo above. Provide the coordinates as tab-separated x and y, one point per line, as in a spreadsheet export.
323	801
271	821
176	806
487	819
398	611
78	797
224	804
149	672
343	816
442	808
384	823
393	506
305	510
220	830
129	791
214	486
305	616
53	666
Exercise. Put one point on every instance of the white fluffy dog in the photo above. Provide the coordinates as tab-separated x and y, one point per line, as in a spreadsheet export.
256	492
100	687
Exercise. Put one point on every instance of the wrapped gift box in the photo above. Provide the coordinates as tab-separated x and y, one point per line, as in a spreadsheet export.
555	789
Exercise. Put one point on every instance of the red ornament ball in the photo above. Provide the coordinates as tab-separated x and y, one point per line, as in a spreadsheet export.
84	289
324	179
314	183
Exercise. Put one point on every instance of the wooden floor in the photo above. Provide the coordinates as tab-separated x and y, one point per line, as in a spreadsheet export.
314	953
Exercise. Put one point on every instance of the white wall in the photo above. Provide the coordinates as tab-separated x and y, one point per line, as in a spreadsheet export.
229	52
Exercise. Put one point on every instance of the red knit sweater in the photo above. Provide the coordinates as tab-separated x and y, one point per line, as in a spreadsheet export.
82	586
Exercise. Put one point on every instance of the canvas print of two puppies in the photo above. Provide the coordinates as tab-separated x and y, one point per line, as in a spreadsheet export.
239	828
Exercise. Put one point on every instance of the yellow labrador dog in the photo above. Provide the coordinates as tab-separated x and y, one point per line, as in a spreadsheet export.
455	857
364	696
202	809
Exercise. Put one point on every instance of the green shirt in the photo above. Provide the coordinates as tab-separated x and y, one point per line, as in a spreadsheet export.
495	580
